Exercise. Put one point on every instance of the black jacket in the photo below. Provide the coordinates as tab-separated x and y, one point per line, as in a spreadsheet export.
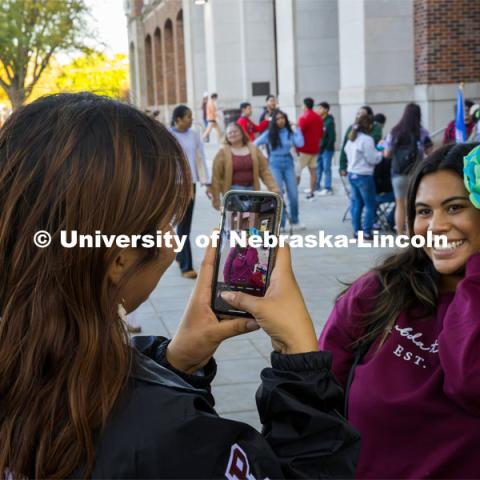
164	425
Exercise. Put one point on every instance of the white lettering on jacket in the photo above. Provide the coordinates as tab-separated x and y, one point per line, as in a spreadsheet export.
400	352
407	332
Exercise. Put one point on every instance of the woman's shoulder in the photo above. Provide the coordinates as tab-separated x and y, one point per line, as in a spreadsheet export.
223	151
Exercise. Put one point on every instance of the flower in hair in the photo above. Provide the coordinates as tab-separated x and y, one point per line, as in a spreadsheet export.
471	175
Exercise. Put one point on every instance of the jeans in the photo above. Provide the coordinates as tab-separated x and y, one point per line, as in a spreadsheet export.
240	187
283	171
362	195
324	166
184	257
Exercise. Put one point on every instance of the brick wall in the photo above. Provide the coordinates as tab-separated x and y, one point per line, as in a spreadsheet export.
447	41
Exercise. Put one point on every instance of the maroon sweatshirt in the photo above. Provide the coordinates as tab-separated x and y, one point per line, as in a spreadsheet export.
416	402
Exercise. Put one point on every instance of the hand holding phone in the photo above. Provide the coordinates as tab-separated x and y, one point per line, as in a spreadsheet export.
282	313
200	333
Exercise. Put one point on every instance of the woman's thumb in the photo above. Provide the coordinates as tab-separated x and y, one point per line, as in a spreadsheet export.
242	301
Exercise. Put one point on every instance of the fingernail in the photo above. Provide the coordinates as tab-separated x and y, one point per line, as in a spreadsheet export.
252	325
228	296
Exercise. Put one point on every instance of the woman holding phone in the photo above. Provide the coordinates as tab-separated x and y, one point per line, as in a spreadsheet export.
76	398
239	165
412	327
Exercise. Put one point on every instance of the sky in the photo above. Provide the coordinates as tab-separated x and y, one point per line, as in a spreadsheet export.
110	23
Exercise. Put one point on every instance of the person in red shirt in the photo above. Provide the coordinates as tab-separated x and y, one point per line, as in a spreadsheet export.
247	124
311	125
449	133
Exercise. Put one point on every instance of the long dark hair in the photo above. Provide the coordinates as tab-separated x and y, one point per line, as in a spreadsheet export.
408	126
72	162
274	131
408	279
179	112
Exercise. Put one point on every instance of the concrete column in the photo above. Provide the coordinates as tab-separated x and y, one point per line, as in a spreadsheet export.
195	56
137	35
239	41
286	56
307	40
376	57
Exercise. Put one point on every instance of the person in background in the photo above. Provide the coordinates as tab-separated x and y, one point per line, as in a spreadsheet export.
449	133
375	133
268	109
204	109
327	150
280	139
247	124
189	140
406	144
383	179
412	325
380	119
239	165
362	157
212	117
311	125
475	115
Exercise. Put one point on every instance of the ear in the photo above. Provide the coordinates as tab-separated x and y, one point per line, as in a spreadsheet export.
125	259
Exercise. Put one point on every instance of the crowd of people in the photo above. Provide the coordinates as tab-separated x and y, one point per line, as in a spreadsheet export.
389	390
275	153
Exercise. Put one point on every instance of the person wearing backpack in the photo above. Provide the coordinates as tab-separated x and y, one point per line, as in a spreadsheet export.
406	144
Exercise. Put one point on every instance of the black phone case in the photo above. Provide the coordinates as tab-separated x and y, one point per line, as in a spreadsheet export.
271	260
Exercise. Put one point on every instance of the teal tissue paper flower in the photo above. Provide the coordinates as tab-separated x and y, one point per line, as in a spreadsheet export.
471	175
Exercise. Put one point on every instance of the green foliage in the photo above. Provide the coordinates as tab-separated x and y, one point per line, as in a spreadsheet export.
31	32
96	73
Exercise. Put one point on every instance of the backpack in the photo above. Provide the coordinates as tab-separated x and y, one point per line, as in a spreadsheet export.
405	154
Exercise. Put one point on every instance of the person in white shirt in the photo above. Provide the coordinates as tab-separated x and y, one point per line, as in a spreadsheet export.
362	156
192	145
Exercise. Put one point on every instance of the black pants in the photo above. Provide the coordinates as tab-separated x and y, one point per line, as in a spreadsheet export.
185	256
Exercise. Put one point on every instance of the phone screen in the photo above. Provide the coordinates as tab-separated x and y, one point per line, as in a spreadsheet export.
240	266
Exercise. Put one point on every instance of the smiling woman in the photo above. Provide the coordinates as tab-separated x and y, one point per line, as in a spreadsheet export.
407	337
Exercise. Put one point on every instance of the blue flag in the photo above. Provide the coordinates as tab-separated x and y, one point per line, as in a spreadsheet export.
460	129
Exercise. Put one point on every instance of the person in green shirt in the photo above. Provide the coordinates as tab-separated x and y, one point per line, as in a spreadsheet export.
327	149
376	133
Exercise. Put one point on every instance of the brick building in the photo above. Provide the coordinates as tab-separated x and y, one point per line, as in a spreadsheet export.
384	53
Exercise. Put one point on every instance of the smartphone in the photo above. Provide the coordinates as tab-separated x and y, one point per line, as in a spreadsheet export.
241	264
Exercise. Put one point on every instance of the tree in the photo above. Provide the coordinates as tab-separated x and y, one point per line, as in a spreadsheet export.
31	32
97	73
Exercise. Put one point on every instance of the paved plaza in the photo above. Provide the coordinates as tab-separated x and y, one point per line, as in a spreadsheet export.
318	271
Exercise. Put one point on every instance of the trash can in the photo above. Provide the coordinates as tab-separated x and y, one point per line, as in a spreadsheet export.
231	115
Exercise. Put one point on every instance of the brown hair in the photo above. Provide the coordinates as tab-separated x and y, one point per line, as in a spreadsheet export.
86	163
408	279
363	124
245	138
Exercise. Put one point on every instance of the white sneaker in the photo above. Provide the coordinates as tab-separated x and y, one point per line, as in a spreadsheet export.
306	190
324	192
296	227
